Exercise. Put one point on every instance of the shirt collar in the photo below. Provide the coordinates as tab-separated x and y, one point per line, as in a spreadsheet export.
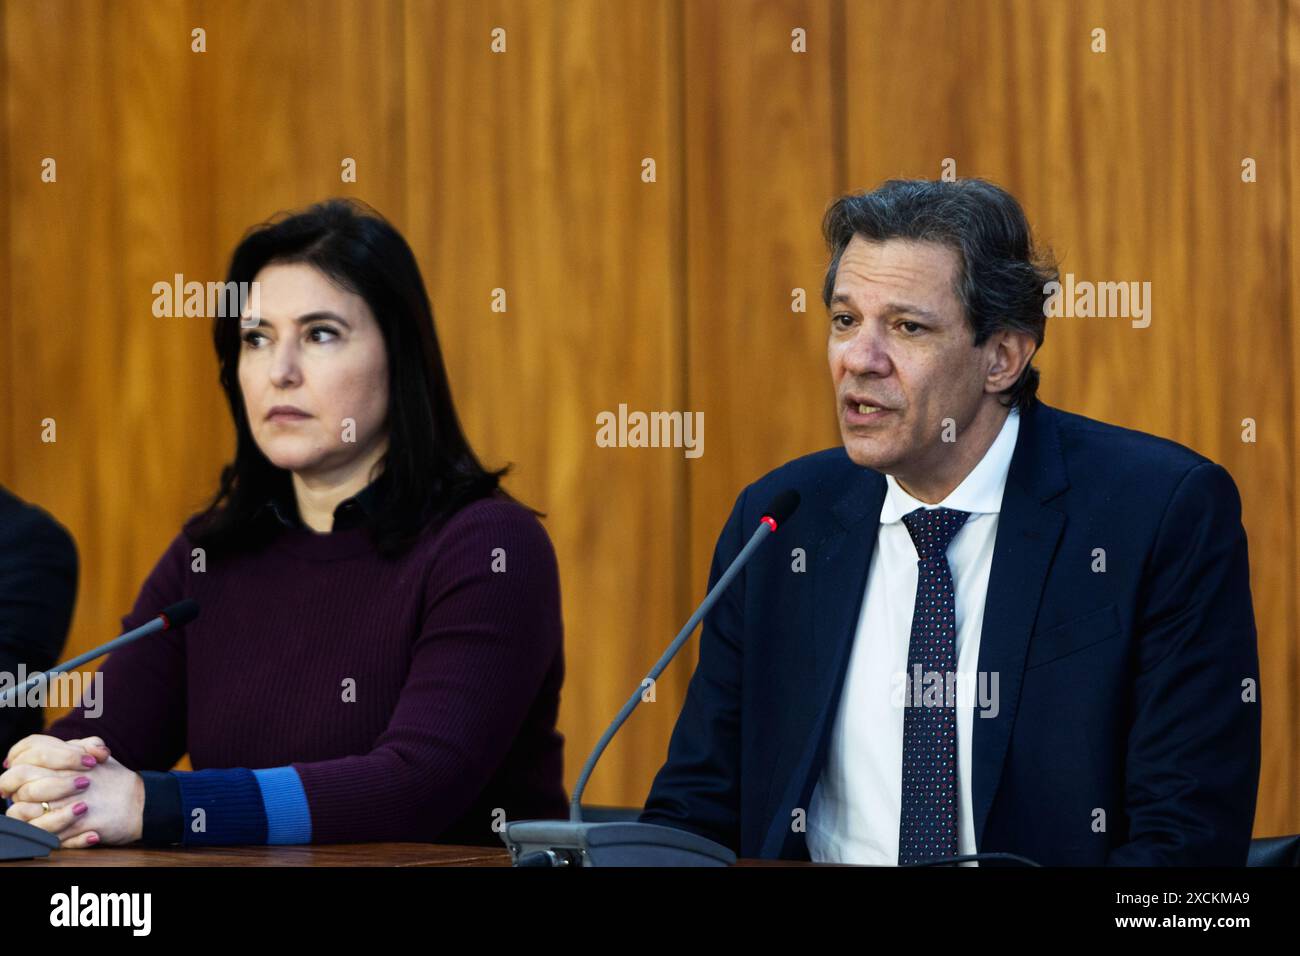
980	492
350	513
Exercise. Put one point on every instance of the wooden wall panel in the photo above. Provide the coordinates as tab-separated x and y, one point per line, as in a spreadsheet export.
526	177
1128	163
1279	812
6	305
128	392
521	171
762	165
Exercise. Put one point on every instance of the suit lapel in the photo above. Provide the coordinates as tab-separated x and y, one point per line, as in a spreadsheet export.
1027	536
840	562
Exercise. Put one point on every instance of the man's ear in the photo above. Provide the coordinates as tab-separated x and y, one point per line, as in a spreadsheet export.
1012	352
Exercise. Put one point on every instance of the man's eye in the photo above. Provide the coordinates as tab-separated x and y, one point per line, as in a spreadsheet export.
841	321
914	330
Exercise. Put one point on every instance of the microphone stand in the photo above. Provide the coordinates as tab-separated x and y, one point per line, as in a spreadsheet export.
578	843
23	841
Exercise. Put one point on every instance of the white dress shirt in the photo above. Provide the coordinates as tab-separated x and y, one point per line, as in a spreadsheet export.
857	803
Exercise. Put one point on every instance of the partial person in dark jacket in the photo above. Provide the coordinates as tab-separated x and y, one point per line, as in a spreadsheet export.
38	589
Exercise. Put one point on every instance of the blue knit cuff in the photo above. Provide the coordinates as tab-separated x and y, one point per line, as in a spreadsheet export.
288	818
231	805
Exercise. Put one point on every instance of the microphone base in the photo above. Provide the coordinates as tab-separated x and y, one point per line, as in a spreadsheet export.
22	841
569	843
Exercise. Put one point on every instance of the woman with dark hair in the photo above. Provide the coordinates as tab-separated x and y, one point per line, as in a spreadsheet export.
378	655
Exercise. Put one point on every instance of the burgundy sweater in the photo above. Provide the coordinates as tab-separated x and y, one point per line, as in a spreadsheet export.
415	699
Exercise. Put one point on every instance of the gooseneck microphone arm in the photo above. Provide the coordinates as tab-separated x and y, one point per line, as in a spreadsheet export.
176	615
780	509
25	841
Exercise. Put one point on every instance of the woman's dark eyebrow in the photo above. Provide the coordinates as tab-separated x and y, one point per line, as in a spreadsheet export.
323	316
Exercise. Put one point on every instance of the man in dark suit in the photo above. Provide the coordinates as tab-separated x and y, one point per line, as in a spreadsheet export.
38	589
991	626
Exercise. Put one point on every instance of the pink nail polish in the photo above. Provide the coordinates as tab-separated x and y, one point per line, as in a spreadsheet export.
82	783
88	761
93	839
6	763
79	809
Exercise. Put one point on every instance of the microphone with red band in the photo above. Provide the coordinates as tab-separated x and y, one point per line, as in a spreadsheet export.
781	508
577	843
179	614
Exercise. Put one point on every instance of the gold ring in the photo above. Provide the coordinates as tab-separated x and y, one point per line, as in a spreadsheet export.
45	806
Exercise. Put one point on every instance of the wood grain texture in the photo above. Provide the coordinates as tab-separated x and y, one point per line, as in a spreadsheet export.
526	177
6	304
762	166
1129	163
522	171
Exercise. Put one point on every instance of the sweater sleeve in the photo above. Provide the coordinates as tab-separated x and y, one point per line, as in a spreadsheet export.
226	807
491	629
140	709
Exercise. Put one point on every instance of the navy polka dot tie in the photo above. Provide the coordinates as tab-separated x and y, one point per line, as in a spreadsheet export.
928	825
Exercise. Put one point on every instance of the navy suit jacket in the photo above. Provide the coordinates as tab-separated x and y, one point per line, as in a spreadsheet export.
38	588
1128	727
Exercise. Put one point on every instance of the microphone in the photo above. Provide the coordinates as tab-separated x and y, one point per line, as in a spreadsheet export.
577	843
173	616
23	841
